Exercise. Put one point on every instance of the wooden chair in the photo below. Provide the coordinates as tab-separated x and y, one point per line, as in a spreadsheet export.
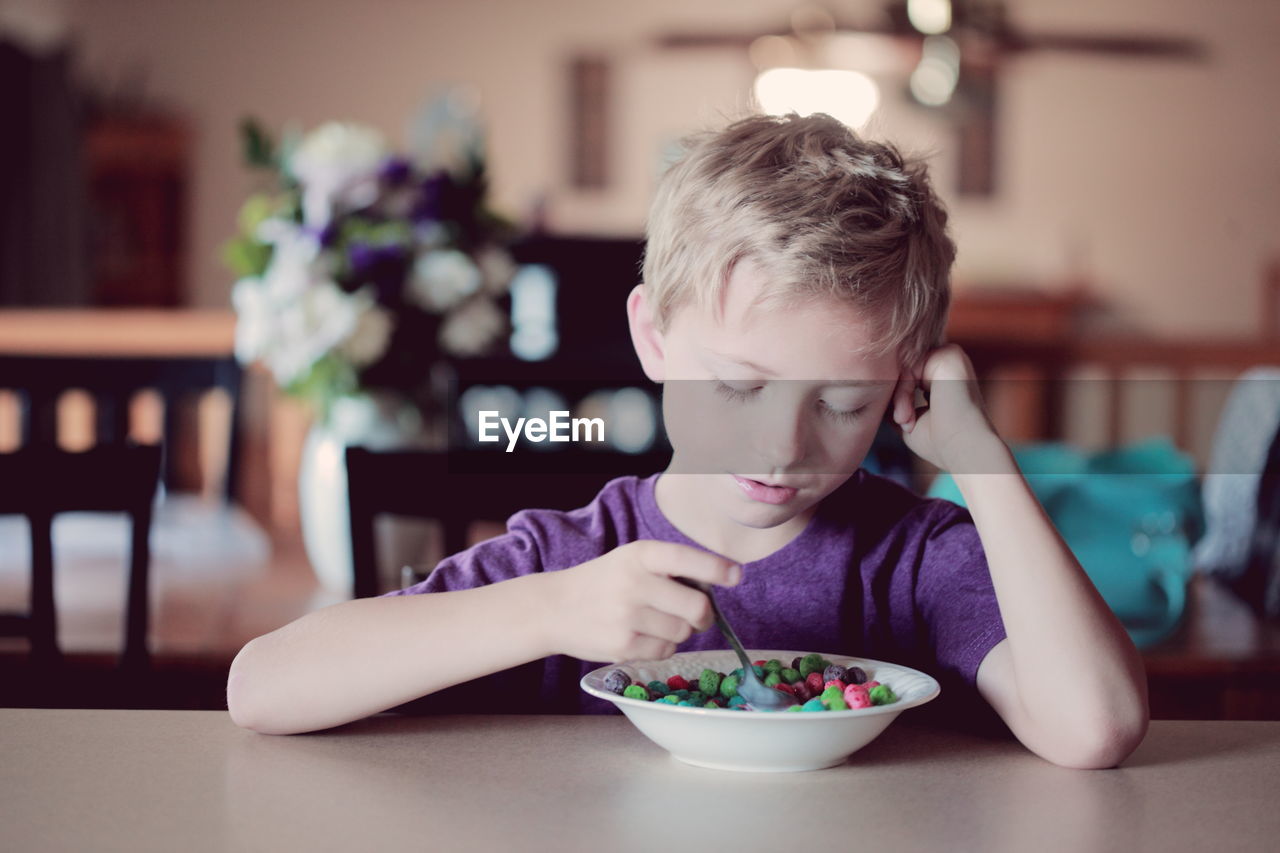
40	482
40	380
460	487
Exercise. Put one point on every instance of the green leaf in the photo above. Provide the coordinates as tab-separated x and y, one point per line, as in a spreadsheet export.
256	144
246	257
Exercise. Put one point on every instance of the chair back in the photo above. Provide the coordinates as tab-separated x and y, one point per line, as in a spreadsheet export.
444	486
41	481
112	381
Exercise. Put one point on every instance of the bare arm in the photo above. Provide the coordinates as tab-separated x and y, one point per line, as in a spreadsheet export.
364	656
1067	679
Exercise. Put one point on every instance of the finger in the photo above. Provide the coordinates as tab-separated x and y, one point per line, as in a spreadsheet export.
669	558
664	626
904	393
689	604
644	647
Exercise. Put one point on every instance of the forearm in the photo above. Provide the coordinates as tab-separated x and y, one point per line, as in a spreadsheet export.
364	656
1079	681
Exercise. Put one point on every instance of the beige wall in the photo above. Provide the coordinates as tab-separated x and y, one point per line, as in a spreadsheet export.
1159	180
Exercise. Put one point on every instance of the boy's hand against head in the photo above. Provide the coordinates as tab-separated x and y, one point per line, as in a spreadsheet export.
954	427
625	605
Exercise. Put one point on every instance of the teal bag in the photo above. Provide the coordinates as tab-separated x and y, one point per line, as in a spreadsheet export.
1129	515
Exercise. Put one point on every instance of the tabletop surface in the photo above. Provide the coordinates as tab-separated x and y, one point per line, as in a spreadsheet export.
192	780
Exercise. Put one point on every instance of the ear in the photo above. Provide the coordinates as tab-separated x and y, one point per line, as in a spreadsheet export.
645	337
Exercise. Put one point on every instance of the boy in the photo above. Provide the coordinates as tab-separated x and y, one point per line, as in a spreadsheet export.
796	282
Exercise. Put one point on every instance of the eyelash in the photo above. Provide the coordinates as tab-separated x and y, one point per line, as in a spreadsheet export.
738	395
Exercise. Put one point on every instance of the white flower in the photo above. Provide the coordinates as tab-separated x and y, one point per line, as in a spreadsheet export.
337	164
473	328
442	279
497	268
294	259
368	341
255	319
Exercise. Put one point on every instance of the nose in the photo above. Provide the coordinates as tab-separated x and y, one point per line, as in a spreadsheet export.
783	438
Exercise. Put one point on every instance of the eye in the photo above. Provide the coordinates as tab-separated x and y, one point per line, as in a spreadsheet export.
737	395
841	415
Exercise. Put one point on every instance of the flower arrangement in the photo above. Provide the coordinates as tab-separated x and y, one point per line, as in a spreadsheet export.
359	267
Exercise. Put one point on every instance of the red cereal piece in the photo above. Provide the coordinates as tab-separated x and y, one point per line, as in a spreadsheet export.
857	696
835	682
678	682
802	691
759	662
815	682
785	688
870	684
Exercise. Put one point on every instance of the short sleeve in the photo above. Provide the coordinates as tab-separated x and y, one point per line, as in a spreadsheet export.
954	594
513	554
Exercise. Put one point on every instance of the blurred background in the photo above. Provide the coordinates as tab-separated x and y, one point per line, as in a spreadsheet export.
1110	168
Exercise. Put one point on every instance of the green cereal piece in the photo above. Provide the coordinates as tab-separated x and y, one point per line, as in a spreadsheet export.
789	675
772	680
795	708
636	691
882	694
670	699
836	703
830	693
729	687
697	697
658	688
709	681
711	705
810	663
814	704
773	665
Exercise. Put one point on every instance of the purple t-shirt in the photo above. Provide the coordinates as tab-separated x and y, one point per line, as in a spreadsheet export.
878	572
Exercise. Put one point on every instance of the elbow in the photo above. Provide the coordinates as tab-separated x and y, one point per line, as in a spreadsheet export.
1104	742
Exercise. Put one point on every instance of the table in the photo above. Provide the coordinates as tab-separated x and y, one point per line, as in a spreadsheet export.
191	780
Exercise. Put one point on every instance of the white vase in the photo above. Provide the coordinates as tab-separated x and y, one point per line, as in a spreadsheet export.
379	423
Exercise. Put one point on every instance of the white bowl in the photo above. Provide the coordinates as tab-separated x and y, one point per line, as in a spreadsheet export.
759	741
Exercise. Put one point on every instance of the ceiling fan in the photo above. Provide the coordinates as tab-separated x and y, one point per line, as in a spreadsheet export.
982	29
950	51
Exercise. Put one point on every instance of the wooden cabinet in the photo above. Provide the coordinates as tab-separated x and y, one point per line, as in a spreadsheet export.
137	186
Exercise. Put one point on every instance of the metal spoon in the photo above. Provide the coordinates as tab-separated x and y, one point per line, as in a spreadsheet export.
751	688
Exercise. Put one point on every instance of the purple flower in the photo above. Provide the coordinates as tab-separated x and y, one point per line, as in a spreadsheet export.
395	171
432	195
384	266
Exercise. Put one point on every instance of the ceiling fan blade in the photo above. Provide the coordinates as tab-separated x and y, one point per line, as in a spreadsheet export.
1169	47
708	39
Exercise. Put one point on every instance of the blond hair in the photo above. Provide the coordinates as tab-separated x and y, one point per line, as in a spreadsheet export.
824	212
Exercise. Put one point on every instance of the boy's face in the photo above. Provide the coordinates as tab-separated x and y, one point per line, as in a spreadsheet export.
776	406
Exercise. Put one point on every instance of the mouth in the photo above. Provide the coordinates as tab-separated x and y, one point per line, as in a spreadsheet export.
769	493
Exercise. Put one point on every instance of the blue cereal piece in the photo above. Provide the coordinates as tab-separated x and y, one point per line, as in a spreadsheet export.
658	688
814	704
